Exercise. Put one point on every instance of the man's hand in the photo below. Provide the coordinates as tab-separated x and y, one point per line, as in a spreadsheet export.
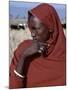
31	50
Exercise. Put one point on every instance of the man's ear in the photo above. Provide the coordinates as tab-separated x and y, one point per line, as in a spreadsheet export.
51	30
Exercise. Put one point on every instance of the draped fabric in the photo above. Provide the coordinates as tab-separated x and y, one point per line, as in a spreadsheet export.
39	70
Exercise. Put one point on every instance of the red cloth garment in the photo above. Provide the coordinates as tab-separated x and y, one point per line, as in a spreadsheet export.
43	71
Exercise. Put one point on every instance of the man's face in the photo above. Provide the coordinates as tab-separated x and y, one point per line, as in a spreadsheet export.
38	31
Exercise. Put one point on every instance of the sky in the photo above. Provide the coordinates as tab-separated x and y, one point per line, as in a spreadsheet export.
20	8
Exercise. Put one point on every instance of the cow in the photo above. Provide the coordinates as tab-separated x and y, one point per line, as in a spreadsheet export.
18	26
14	26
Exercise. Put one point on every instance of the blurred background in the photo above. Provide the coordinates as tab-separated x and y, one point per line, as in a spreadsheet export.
18	28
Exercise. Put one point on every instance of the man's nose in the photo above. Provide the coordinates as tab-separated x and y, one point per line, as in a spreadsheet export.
33	34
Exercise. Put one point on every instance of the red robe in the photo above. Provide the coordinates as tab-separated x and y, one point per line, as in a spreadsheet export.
42	71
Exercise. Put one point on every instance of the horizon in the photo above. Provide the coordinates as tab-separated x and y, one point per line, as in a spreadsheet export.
20	9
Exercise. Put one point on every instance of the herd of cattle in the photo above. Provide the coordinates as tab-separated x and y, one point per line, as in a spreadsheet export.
23	26
18	26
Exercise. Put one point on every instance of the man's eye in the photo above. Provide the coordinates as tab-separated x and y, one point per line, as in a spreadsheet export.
33	28
38	28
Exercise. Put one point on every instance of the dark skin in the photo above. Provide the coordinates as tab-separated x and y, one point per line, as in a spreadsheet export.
38	30
40	35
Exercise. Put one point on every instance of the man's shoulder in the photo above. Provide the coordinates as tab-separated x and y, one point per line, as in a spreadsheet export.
23	45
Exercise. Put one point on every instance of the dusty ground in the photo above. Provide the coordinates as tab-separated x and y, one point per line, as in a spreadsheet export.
15	38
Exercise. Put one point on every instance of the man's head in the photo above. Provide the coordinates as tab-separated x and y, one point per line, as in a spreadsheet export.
46	25
38	30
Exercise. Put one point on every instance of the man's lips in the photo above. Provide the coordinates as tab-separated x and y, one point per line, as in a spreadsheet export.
36	38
